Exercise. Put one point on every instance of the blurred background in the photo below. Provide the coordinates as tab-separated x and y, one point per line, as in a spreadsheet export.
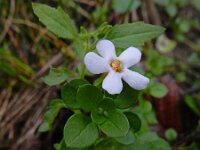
28	50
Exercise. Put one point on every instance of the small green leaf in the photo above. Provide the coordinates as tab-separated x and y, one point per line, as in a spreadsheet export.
127	98
134	121
125	6
88	96
107	104
49	116
56	20
171	10
133	34
170	134
158	90
162	2
80	132
108	144
69	91
192	104
56	76
126	140
113	123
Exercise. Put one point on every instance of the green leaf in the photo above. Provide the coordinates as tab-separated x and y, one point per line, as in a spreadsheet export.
157	63
127	98
134	121
69	92
125	6
153	141
88	96
56	76
107	104
158	90
133	34
170	134
56	20
192	104
162	2
196	3
80	132
113	123
171	10
108	144
126	140
49	116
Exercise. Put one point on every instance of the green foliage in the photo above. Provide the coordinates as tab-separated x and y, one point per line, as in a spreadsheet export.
152	141
88	96
95	111
108	144
50	115
162	2
134	121
56	76
192	104
158	90
158	63
80	132
129	138
171	10
133	34
196	3
56	20
170	134
125	6
112	122
127	98
69	92
11	66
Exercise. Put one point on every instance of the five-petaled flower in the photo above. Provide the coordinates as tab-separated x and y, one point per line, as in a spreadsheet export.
117	67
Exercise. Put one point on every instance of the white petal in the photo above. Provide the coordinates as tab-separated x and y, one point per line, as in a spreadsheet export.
135	80
106	49
130	56
96	64
113	83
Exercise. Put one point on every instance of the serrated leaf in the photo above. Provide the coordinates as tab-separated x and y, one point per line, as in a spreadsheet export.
113	123
80	132
50	115
133	34
56	76
56	20
88	96
69	92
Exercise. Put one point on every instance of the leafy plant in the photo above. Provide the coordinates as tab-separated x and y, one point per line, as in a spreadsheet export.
100	119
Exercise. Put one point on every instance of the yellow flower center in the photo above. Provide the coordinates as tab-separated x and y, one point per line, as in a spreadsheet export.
116	65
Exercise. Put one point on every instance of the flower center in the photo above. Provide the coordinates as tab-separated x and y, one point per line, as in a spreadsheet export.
116	65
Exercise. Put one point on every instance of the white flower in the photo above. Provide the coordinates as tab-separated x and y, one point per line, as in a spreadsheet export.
117	67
